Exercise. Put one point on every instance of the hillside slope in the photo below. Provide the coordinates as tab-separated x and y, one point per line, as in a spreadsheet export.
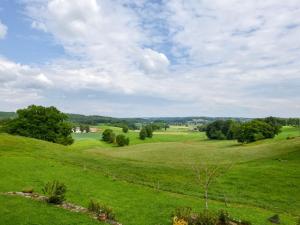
120	177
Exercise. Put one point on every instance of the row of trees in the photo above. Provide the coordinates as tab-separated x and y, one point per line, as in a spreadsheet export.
250	131
110	137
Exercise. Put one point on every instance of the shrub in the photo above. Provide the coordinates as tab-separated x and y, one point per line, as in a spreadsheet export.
184	216
55	191
93	206
98	209
274	219
125	129
224	218
127	141
108	136
205	218
143	134
122	140
245	222
182	213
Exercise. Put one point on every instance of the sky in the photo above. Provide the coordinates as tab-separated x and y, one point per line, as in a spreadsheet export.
150	58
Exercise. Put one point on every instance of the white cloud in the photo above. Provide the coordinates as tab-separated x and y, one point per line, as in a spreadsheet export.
16	78
154	62
3	30
208	56
39	26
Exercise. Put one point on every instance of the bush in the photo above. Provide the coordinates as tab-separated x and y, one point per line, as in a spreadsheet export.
245	222
125	129
224	218
108	136
143	134
184	216
205	218
98	209
182	213
122	140
55	191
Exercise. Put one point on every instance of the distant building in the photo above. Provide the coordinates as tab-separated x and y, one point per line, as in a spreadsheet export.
94	129
77	130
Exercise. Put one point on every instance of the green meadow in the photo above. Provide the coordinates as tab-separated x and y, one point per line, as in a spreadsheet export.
145	181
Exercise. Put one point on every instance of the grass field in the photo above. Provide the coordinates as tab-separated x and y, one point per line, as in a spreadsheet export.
264	178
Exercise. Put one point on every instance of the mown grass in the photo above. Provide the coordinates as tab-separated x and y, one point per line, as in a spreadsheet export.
17	210
264	178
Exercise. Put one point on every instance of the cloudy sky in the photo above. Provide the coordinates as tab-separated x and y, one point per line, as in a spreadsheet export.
131	58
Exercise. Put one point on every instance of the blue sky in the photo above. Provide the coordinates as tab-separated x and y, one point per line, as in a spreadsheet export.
130	58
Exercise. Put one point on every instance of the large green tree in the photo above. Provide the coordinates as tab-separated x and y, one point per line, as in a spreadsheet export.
255	130
45	123
222	129
109	136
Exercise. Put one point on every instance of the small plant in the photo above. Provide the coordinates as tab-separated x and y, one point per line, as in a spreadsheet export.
274	219
245	222
205	218
184	216
94	206
55	191
182	213
224	218
177	221
103	212
28	190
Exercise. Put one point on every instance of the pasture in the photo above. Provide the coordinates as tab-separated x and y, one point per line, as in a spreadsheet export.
145	181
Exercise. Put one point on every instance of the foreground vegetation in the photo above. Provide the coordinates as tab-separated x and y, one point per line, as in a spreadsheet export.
146	181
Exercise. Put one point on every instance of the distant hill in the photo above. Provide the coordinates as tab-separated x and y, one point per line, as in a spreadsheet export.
6	115
96	119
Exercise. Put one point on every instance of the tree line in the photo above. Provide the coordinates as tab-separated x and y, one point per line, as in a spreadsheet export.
246	132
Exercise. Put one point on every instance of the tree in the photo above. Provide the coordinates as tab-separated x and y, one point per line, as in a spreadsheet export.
255	130
149	130
222	129
45	123
207	175
108	136
122	140
166	126
125	128
143	133
275	123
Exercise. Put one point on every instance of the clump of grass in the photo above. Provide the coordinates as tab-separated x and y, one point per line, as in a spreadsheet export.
100	209
55	191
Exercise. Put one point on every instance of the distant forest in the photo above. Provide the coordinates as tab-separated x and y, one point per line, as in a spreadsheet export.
131	122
